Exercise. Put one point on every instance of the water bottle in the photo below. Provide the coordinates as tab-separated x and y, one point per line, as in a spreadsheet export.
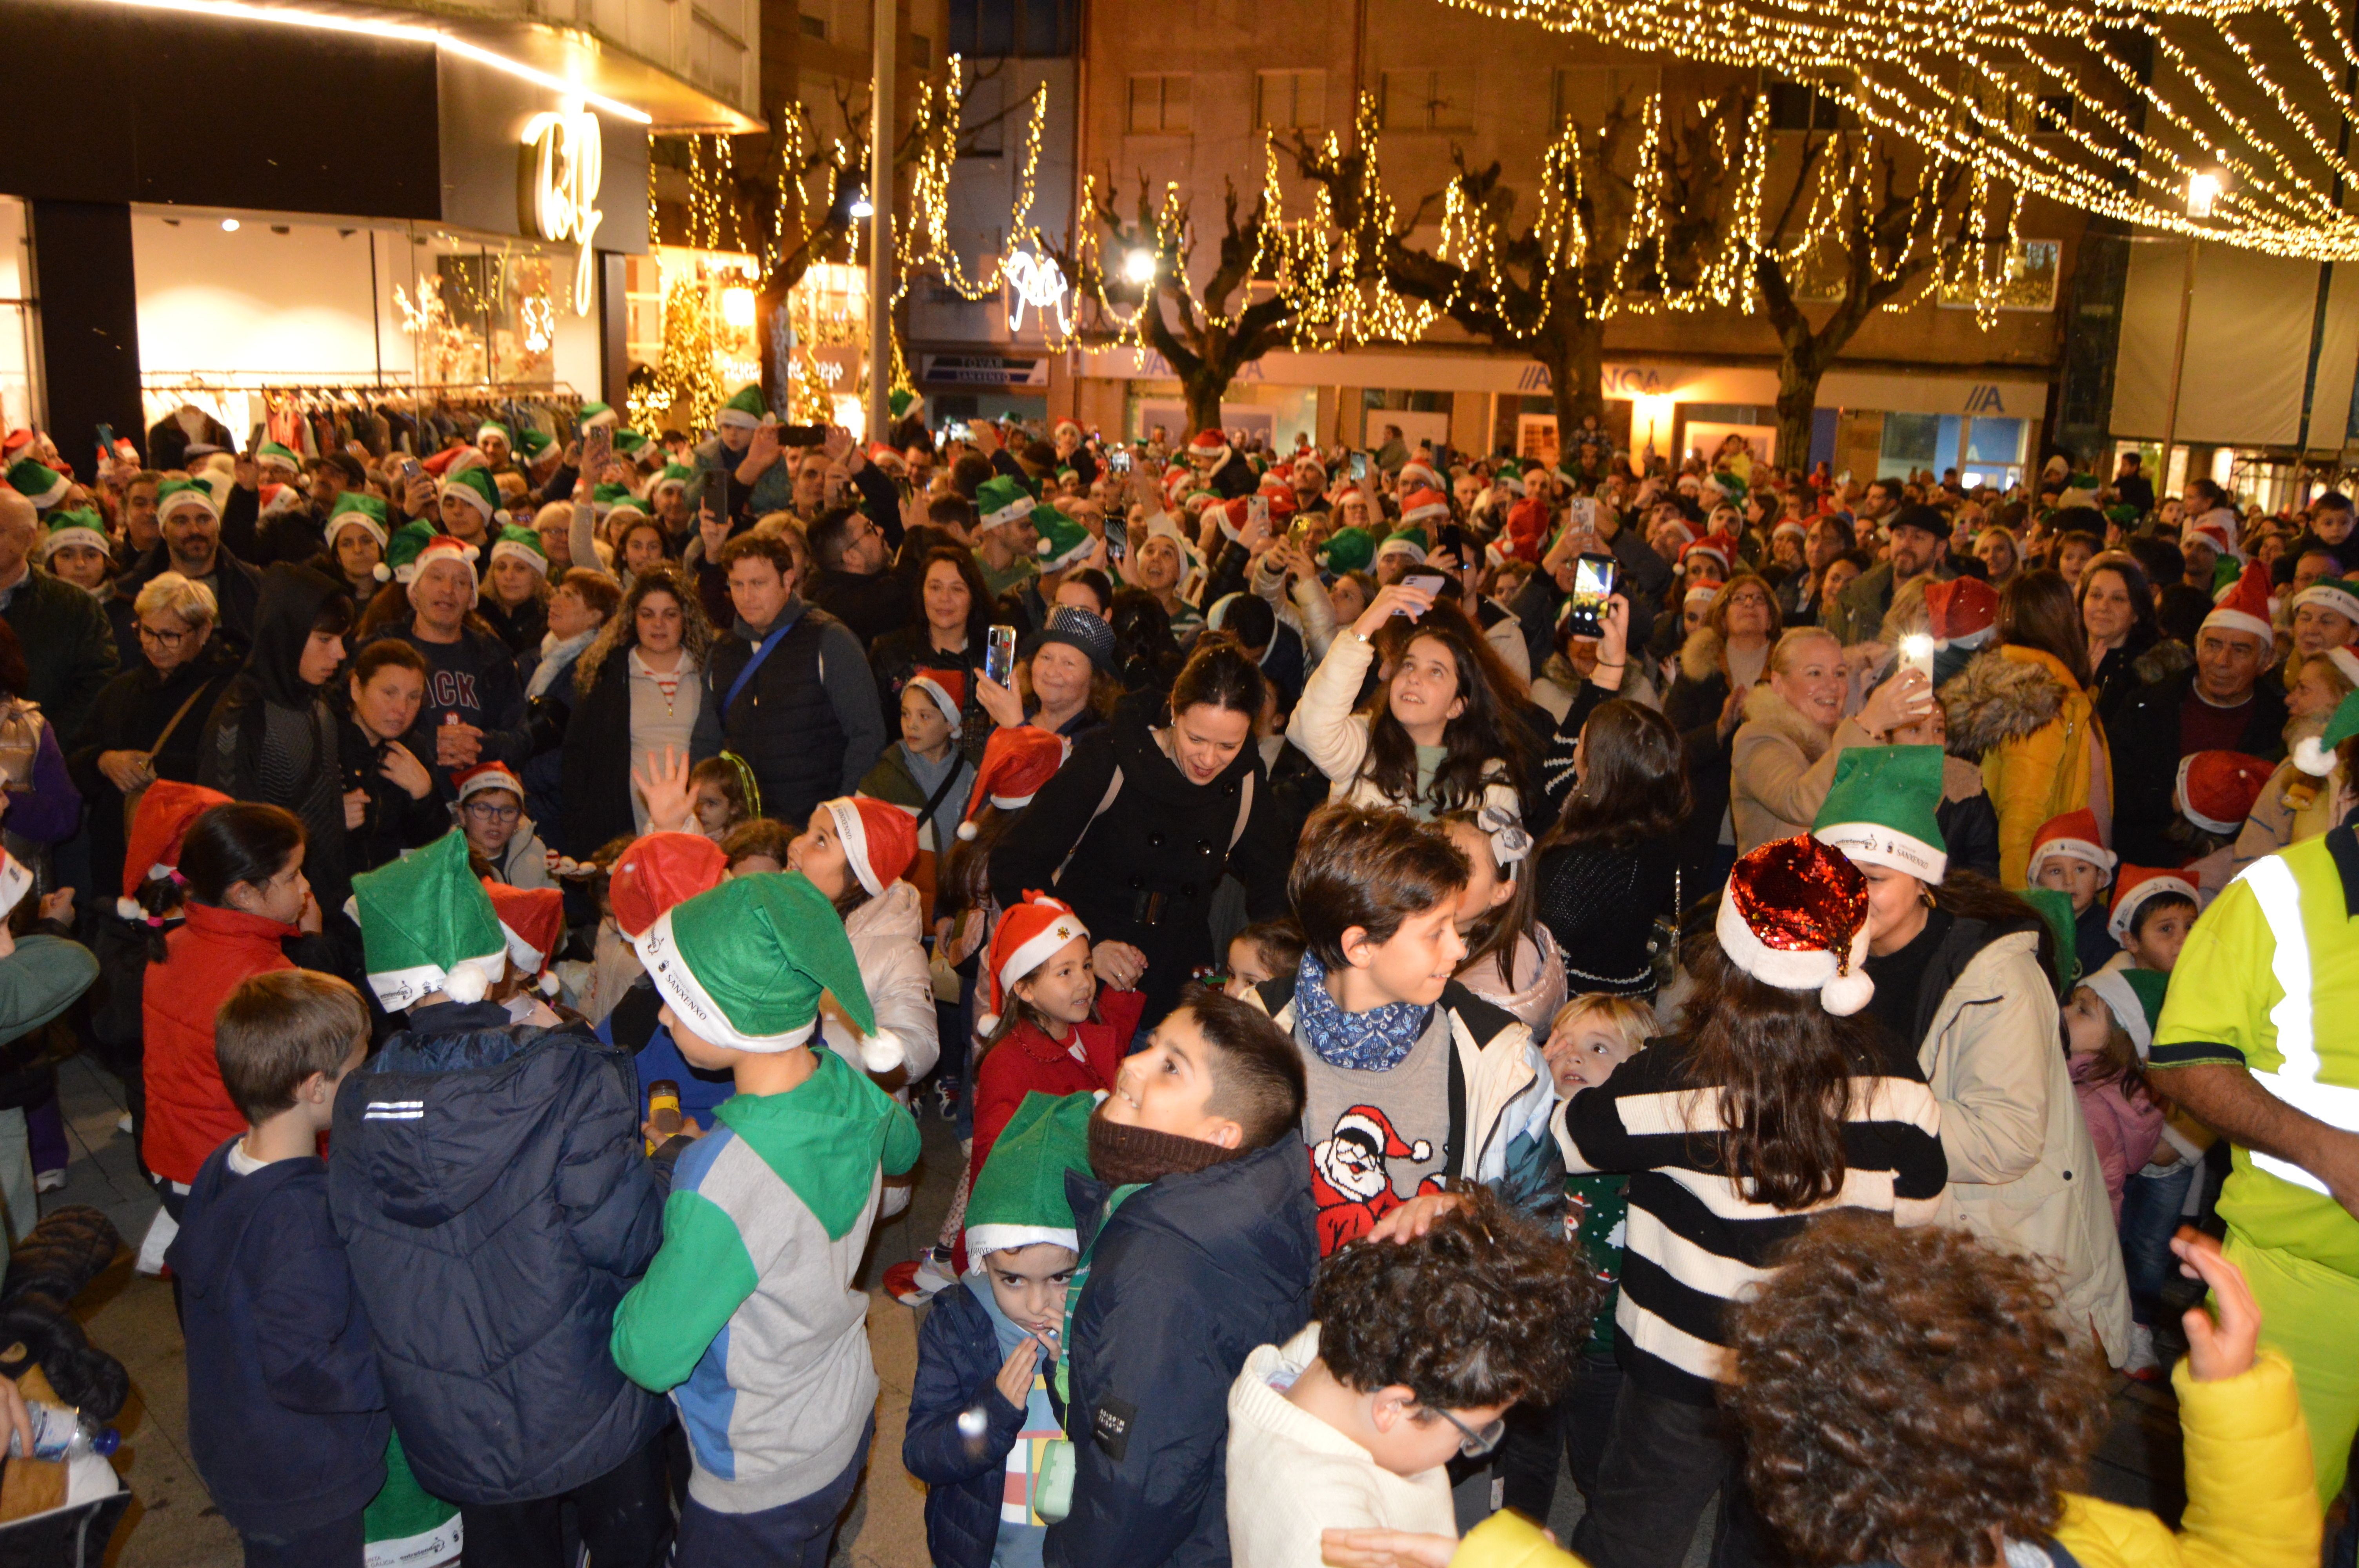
59	1434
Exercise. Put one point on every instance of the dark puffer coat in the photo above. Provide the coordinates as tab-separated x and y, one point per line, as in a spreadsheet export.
958	1358
491	1194
1203	1268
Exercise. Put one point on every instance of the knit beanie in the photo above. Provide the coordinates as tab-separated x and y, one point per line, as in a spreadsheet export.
1795	916
744	968
427	926
1019	1196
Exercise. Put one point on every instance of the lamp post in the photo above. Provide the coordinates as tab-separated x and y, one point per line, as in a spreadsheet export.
880	222
2202	191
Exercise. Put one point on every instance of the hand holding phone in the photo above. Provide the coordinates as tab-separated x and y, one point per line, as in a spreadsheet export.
1593	577
999	654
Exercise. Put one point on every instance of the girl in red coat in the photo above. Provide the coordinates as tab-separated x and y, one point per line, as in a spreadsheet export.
243	864
1049	1028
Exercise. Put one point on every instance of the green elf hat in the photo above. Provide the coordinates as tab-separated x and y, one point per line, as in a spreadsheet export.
1000	501
1019	1194
427	926
1063	542
1349	550
2314	754
1879	810
2056	908
609	499
2123	512
534	442
2134	998
170	496
599	417
1511	476
357	509
520	545
474	487
743	966
402	551
2339	594
1409	542
898	400
745	411
673	477
41	485
79	527
271	454
493	428
630	442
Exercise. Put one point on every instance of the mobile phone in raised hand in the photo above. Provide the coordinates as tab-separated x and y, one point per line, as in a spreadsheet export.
1593	584
999	656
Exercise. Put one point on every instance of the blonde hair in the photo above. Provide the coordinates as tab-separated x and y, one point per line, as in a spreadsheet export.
170	593
1785	652
1632	1018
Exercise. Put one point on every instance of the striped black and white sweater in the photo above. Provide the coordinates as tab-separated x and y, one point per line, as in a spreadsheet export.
1696	1241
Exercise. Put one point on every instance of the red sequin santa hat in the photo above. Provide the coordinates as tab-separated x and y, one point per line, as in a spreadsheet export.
1015	764
534	922
2216	789
2244	607
946	690
1026	937
2135	886
2075	836
166	813
1964	611
659	871
879	839
1795	916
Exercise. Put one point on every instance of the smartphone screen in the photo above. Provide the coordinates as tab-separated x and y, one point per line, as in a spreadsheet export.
1917	654
999	654
1593	585
1359	465
1117	537
1432	582
597	451
1118	462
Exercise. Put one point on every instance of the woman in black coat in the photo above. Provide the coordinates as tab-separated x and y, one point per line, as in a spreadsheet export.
2118	620
1141	867
1610	867
145	723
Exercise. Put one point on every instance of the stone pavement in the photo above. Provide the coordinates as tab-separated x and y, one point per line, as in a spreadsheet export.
173	1525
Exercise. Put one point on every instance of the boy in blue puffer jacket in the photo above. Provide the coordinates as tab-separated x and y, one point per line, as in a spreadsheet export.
490	1193
981	1420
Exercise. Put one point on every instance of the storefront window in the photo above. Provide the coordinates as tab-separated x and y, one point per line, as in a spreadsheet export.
693	339
1994	452
19	396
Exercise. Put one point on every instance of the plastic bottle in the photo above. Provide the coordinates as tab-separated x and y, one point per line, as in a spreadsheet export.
663	1111
60	1434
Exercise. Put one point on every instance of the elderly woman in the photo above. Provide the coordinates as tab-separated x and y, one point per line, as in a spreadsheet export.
144	724
1783	757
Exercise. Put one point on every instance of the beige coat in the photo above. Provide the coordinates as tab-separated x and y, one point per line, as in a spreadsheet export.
2023	1170
1779	769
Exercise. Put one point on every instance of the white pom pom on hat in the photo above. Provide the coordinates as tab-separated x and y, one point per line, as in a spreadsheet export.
881	1052
466	982
1847	993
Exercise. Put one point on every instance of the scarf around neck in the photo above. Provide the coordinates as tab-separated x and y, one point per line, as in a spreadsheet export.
1375	1041
1124	1155
556	653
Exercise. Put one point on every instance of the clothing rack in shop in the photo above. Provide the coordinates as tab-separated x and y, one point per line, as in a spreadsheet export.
444	406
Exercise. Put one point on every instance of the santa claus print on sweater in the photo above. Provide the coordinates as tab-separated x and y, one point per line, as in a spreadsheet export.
1351	1179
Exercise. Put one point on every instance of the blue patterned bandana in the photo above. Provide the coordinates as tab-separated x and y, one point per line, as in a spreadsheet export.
1375	1041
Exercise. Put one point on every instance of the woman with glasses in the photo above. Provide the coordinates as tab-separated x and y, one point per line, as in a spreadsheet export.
144	724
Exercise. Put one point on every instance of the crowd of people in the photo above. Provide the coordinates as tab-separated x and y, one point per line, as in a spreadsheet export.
1745	989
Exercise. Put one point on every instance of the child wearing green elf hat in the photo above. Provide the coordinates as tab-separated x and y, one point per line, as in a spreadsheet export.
982	1423
749	1315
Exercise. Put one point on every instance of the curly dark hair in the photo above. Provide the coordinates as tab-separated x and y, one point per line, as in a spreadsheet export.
1486	1308
1902	1391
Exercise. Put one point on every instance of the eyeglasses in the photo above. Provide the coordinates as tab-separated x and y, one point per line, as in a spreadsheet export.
486	811
1474	1443
165	639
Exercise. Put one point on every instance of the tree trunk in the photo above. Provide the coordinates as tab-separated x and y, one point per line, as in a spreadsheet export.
1798	401
1203	391
1572	350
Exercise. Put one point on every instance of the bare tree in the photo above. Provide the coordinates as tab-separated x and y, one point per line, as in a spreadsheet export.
1889	229
1602	234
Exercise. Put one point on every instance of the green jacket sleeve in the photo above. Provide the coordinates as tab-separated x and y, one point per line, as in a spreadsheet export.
699	1278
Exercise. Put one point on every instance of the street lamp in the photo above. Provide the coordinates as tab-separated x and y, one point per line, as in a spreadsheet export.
2202	189
860	206
1138	267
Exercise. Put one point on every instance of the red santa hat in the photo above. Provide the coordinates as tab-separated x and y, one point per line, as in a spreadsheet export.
2214	528
1026	937
1416	472
1207	443
488	775
452	459
2134	886
534	922
1422	503
657	871
166	814
279	498
947	690
1686	530
880	839
1015	764
2216	789
2244	607
444	547
1373	1127
1964	611
1274	483
1307	467
1795	916
1528	525
1719	546
2075	836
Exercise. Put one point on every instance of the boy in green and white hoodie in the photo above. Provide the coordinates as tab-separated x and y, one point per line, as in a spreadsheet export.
748	1316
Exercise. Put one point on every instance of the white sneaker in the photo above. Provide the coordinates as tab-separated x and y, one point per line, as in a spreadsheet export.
49	1181
2142	1363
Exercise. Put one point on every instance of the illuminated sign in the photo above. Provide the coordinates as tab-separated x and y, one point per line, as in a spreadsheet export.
1038	282
563	161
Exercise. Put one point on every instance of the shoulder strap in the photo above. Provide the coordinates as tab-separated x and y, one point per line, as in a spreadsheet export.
179	713
1244	810
942	791
1114	787
761	652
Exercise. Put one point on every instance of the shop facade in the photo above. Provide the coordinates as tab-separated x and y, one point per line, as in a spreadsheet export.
193	237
